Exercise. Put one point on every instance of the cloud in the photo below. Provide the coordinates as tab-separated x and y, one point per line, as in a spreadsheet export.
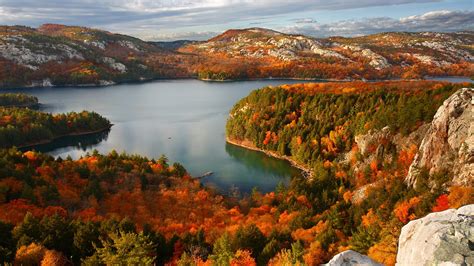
442	20
167	13
188	35
192	19
305	21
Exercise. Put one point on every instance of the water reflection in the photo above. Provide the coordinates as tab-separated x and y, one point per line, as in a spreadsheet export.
183	119
83	143
267	165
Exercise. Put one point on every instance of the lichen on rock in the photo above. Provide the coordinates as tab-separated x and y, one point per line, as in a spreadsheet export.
441	238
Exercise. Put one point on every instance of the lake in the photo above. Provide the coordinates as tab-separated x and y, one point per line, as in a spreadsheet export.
182	119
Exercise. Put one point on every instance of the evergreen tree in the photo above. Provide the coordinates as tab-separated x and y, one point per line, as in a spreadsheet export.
222	252
126	249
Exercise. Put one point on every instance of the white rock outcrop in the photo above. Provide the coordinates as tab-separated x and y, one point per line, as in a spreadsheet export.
376	61
271	43
440	238
115	65
130	45
18	50
42	83
372	139
351	258
448	144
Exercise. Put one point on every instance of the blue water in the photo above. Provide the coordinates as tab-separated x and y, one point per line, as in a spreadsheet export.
183	119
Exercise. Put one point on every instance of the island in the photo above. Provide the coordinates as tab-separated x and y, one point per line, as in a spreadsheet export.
18	100
23	127
369	147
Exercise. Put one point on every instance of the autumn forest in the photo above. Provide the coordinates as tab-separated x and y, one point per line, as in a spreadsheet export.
354	141
311	132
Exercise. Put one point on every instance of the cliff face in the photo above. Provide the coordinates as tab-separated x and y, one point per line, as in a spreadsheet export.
448	146
441	238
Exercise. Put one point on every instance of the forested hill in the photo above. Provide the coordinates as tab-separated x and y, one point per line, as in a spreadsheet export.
59	55
258	52
18	100
360	140
68	55
22	127
316	122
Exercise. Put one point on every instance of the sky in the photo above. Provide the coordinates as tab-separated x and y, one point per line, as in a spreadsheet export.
165	20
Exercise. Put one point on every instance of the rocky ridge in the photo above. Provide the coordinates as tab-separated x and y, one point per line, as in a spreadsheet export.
70	55
257	42
438	49
448	146
22	51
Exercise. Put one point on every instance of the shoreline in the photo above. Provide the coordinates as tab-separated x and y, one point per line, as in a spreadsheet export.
74	134
281	78
26	105
144	81
427	78
308	173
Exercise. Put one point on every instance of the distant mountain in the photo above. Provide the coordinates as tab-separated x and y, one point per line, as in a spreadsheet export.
385	55
65	55
174	45
380	50
68	55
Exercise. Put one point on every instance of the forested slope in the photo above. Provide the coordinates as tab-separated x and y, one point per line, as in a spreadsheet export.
133	209
319	121
58	55
18	100
25	127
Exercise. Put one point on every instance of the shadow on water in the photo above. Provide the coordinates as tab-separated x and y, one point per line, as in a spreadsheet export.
83	143
192	112
262	162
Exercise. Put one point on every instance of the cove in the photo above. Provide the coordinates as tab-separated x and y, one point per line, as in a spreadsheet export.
182	119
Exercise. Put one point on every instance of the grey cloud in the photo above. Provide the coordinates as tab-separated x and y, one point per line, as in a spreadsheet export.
165	13
189	35
432	21
443	21
305	21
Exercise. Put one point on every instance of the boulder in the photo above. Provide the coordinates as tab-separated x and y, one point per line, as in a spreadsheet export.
370	142
351	258
448	145
440	238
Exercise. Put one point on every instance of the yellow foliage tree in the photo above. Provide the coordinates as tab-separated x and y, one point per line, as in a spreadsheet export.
459	196
54	258
369	218
385	251
242	258
315	255
30	255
